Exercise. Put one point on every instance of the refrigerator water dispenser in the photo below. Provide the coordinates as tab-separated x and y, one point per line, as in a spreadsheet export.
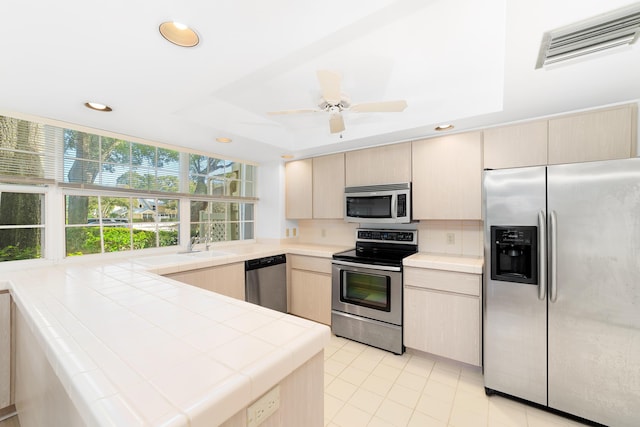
514	254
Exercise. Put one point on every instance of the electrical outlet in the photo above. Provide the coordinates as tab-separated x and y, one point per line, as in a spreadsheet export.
286	233
295	230
451	239
323	232
264	407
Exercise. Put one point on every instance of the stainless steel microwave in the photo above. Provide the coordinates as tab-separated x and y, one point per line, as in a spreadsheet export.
387	203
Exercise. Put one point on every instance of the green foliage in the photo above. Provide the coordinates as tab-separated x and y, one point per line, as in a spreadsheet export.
86	240
168	238
14	253
83	240
116	239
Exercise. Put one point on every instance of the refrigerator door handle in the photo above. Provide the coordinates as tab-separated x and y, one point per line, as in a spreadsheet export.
553	276
542	256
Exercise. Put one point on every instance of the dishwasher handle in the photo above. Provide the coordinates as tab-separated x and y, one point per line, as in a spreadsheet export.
268	261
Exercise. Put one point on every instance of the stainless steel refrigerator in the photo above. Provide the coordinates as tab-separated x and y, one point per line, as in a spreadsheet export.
562	288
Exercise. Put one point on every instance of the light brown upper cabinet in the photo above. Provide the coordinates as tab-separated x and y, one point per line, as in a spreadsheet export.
604	134
388	164
299	189
514	146
447	177
596	135
328	186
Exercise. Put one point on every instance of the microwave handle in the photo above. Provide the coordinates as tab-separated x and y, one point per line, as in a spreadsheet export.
394	206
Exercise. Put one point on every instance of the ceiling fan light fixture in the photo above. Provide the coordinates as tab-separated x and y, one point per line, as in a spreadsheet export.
179	34
98	106
443	127
224	139
334	102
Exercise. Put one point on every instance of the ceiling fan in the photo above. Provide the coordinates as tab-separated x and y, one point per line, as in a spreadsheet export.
335	102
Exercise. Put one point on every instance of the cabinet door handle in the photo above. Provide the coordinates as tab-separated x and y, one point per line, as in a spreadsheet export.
553	247
542	255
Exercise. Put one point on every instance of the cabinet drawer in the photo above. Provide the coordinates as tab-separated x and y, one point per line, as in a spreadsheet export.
310	263
447	281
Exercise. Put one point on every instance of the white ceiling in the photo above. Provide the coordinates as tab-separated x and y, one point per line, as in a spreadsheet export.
467	62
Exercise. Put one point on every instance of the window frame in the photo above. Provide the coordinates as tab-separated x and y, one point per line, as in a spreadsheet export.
45	248
55	186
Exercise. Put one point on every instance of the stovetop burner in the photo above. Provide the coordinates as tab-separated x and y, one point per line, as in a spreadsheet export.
381	247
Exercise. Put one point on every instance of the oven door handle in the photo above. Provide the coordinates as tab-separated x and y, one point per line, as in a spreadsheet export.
369	266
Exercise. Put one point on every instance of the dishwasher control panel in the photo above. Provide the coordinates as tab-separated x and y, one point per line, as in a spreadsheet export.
252	264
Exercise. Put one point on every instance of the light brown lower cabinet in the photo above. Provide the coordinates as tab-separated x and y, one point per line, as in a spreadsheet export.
310	288
224	279
442	313
6	398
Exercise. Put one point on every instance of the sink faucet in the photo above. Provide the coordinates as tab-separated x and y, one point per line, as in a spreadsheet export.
191	242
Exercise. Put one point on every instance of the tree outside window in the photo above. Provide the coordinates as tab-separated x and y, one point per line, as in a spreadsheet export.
21	213
119	195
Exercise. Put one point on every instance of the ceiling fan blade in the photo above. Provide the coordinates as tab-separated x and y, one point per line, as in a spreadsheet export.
330	86
291	112
380	107
336	123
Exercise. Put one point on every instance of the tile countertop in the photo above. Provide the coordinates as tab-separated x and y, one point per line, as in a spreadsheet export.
167	264
460	264
134	348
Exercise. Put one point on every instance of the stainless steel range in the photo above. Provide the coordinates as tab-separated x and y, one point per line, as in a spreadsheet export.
366	302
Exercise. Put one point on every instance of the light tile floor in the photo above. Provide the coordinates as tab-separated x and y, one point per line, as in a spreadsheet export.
365	386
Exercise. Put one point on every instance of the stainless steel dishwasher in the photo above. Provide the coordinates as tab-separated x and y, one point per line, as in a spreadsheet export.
266	282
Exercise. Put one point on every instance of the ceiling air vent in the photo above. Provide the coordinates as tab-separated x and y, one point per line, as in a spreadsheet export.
606	31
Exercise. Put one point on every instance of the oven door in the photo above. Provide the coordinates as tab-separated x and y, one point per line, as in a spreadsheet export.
365	290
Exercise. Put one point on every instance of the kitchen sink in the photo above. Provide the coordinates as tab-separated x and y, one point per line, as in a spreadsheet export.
158	260
206	254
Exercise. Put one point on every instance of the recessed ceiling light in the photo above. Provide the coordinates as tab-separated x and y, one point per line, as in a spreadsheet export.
287	156
97	106
444	127
179	34
223	139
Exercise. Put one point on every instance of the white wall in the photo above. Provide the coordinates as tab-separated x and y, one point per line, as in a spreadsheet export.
270	211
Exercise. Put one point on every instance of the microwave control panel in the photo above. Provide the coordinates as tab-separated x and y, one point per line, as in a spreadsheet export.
402	205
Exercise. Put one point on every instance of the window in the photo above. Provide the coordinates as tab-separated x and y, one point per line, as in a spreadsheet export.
215	219
218	177
25	154
97	224
25	158
116	224
118	195
111	162
21	225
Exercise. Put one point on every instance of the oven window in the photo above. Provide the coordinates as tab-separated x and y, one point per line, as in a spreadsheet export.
369	207
367	290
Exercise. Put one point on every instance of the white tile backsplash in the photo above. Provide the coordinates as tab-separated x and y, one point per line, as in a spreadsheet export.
451	237
327	232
